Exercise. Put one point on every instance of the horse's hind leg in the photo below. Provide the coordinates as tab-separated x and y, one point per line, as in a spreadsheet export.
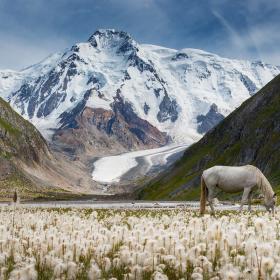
210	198
245	196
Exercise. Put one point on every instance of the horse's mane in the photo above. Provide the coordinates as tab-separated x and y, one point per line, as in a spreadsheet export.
265	186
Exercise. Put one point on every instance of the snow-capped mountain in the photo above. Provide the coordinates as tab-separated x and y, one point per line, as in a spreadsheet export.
112	89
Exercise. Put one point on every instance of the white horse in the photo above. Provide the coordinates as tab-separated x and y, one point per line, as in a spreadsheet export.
232	179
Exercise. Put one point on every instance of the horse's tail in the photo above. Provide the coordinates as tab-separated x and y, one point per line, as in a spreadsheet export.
265	186
203	195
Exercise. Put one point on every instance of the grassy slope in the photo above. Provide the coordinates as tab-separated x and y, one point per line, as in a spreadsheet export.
250	135
19	137
19	141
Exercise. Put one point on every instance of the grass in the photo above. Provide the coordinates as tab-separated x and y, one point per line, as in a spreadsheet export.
5	155
44	272
10	263
30	191
9	128
84	267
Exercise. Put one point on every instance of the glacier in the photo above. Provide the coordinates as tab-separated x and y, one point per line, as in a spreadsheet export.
110	169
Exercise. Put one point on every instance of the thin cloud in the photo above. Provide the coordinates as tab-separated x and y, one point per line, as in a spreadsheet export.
257	40
238	41
266	38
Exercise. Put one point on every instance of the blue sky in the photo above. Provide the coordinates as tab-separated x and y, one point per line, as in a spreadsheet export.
248	29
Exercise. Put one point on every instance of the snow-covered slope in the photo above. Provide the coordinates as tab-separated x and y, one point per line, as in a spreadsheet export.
183	93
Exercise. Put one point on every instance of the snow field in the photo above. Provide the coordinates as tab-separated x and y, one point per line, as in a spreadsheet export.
137	244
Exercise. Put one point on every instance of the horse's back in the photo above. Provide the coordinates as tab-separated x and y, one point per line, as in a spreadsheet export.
221	169
231	178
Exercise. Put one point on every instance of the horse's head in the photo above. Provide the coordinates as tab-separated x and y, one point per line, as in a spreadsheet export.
270	203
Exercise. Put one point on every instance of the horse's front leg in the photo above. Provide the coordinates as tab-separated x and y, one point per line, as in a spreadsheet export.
244	198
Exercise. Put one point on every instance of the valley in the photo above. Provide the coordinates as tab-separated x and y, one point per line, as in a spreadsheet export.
110	111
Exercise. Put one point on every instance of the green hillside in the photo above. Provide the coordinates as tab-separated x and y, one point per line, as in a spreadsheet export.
249	135
20	145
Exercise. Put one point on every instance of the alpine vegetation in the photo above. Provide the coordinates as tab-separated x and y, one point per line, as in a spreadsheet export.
64	243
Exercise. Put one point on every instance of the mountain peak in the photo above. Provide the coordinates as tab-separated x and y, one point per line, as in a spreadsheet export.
178	86
111	38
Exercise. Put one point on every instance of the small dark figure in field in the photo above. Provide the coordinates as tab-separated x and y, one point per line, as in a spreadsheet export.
15	197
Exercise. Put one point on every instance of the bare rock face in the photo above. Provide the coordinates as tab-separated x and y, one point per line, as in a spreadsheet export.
6	168
211	119
167	110
98	130
141	130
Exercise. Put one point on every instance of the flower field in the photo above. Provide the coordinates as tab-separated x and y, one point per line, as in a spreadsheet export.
72	243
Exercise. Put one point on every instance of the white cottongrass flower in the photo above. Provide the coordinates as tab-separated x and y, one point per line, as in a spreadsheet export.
197	276
159	276
158	243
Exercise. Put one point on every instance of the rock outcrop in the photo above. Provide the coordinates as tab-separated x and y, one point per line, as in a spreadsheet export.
210	120
95	131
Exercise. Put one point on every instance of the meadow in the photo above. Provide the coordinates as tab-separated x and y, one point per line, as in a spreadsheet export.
160	244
